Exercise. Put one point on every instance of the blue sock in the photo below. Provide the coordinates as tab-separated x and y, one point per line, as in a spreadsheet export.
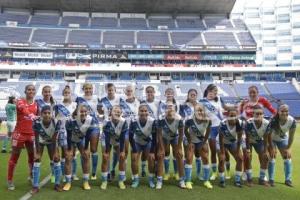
288	169
262	174
115	160
85	177
227	165
175	166
57	172
238	175
271	169
214	167
62	164
36	174
104	176
74	166
121	175
68	178
4	144
94	163
167	164
198	166
222	177
159	179
52	167
144	163
206	172
249	174
188	172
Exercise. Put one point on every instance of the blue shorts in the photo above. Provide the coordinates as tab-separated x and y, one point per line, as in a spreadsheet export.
140	148
214	132
198	145
281	144
173	141
258	146
230	147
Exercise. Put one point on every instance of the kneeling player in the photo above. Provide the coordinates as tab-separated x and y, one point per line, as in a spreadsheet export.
46	131
256	137
230	138
114	131
197	130
80	129
142	136
281	133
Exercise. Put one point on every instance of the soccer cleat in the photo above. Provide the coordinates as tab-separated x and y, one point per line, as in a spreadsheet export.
166	177
86	185
208	185
67	187
103	185
227	175
34	190
94	177
143	174
182	185
176	176
113	174
10	186
58	188
222	184
189	185
249	183
75	177
271	182
288	183
135	184
263	182
159	185
213	176
52	179
3	151
238	184
151	184
122	185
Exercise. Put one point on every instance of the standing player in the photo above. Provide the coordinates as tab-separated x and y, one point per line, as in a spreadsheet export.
80	130
46	131
281	133
214	106
170	131
256	137
169	94
187	111
197	130
152	105
11	115
114	131
63	112
23	135
105	107
92	103
246	110
230	138
47	100
142	136
130	107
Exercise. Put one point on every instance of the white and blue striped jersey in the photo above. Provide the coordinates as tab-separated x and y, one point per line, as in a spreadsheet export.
152	108
283	132
170	130
230	135
196	131
92	104
44	133
107	104
114	134
253	133
129	110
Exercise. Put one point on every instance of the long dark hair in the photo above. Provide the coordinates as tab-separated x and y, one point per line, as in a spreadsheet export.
275	125
190	90
11	99
51	98
210	88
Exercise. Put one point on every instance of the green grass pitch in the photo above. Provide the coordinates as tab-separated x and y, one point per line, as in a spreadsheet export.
169	191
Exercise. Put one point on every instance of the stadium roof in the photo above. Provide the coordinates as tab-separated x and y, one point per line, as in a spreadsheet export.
126	6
